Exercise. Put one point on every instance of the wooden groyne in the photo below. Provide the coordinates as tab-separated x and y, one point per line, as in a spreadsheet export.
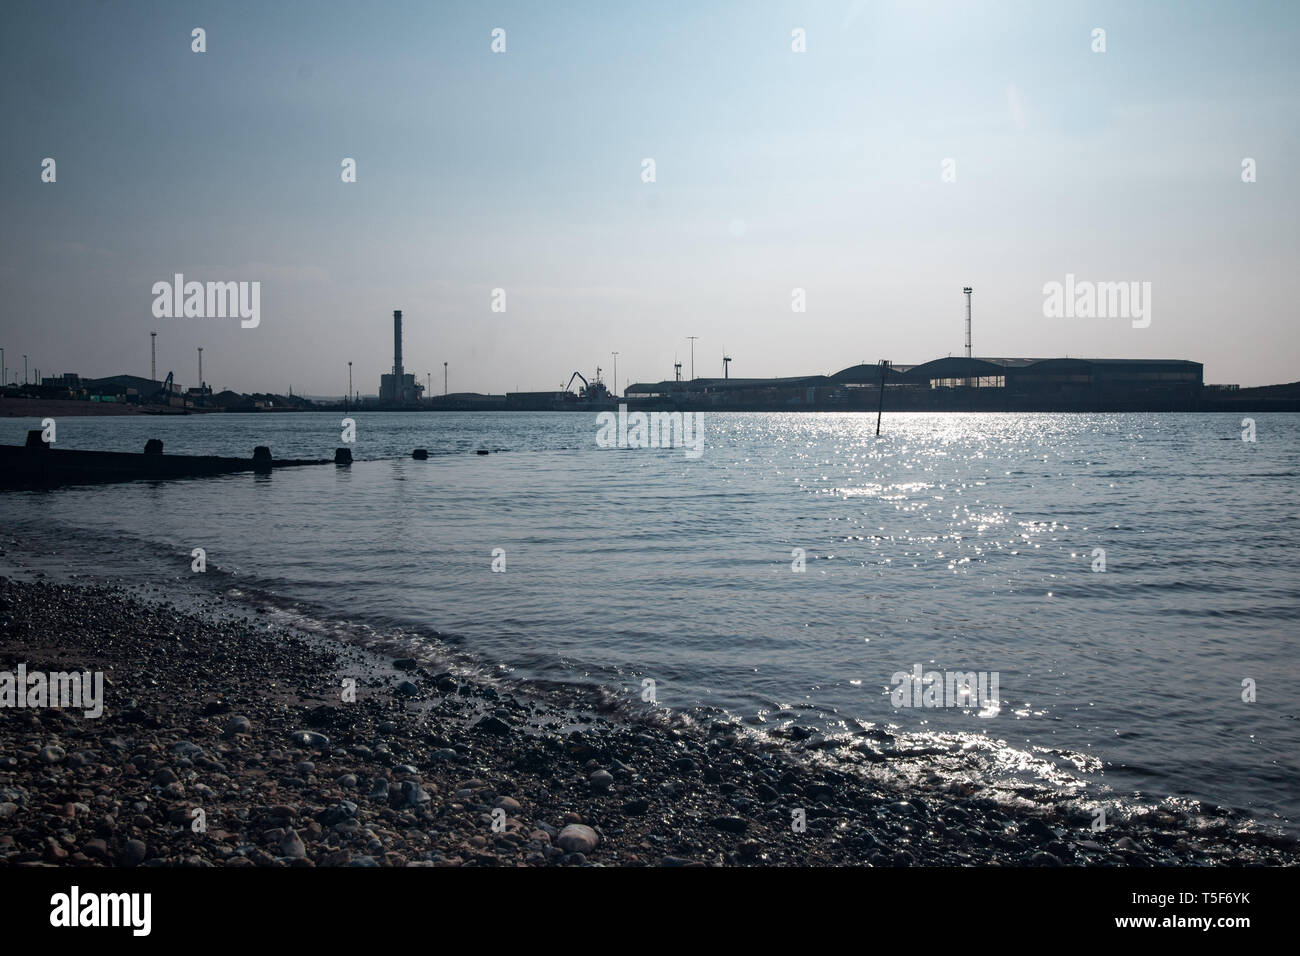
37	465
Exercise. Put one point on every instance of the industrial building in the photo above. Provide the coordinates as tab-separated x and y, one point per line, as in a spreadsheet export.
399	387
951	384
132	389
954	383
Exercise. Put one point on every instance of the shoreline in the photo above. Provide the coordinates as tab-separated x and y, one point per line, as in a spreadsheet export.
220	712
53	407
58	408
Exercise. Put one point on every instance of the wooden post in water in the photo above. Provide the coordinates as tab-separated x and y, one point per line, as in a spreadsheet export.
880	409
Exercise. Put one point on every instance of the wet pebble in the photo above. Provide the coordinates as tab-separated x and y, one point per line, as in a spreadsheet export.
491	724
310	738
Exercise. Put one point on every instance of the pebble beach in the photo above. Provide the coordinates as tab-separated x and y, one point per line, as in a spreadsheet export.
226	740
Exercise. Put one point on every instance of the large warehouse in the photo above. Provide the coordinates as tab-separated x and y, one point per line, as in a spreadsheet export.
952	384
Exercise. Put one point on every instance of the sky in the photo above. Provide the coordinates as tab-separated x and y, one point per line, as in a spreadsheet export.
825	170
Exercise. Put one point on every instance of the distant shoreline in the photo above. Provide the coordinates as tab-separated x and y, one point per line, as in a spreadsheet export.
65	408
42	407
61	408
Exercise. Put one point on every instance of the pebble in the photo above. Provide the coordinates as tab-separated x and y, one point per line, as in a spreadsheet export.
493	725
1037	829
133	853
577	838
730	824
411	794
291	845
310	738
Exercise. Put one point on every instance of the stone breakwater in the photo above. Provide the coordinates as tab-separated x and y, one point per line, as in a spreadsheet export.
225	741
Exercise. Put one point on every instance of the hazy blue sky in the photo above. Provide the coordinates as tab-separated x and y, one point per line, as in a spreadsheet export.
522	170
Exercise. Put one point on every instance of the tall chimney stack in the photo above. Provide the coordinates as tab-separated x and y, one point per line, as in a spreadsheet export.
397	345
968	290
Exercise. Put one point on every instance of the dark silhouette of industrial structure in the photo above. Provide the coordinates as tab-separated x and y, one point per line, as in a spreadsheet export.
955	383
399	387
